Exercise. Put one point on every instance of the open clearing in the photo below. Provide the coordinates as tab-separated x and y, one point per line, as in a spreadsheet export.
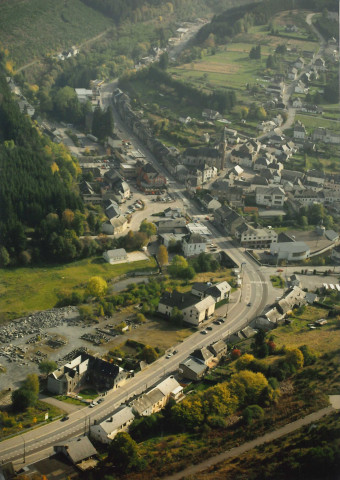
23	290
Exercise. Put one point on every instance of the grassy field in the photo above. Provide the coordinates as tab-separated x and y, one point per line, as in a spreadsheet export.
311	122
23	290
60	25
323	339
277	281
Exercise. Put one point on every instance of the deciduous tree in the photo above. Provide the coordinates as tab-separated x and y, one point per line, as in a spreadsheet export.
96	287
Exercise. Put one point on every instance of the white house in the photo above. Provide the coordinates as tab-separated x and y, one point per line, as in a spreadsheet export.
270	196
194	309
219	291
115	225
193	244
115	256
119	421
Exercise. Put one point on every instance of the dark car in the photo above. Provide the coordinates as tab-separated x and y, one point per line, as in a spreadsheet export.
65	418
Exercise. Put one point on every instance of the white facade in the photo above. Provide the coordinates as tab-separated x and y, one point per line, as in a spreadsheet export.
270	196
199	312
290	251
191	247
113	256
119	421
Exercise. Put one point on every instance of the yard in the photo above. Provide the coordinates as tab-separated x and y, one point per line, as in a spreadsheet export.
24	290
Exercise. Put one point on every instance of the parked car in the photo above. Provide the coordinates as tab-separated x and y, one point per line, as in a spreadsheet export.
204	332
209	328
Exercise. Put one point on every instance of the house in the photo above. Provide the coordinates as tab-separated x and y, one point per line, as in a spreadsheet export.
171	389
292	74
202	156
218	349
119	421
299	63
320	64
174	225
291	29
149	180
203	354
308	197
317	176
299	131
84	94
117	255
227	219
192	369
211	114
290	251
219	291
294	297
78	451
210	202
297	103
85	368
193	244
172	212
112	210
270	196
148	403
250	237
115	226
194	309
300	87
335	256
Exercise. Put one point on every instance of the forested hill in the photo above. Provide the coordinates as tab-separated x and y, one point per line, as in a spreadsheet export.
137	10
238	19
37	177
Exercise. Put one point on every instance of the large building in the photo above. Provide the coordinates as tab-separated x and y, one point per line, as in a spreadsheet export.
85	369
194	309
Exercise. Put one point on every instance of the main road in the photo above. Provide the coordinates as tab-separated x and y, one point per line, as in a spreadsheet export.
38	443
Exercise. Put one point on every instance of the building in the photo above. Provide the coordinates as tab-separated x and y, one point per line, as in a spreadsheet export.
250	237
192	369
119	421
290	251
85	369
149	180
193	244
299	131
156	399
78	451
194	309
219	291
115	226
270	196
117	255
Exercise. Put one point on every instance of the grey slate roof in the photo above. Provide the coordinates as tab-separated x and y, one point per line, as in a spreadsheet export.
79	449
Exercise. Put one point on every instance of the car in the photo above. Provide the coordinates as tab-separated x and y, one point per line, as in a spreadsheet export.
91	405
169	355
221	320
217	322
100	400
174	352
279	270
209	328
207	218
204	332
66	417
249	304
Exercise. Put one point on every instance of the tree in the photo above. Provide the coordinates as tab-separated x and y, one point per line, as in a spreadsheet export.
235	353
248	386
149	354
252	412
96	287
188	413
4	257
22	399
47	366
294	357
177	315
243	362
164	61
178	263
162	255
32	383
148	227
218	400
123	452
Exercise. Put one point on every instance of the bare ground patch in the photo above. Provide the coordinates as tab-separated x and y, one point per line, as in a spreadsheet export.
226	68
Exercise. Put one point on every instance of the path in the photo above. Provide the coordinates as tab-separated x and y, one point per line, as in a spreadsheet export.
237	451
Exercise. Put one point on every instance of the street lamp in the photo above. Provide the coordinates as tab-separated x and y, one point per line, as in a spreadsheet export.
24	458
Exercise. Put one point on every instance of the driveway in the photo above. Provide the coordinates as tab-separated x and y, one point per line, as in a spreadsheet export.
67	407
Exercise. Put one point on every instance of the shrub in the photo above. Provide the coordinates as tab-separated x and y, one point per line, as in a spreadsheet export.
252	412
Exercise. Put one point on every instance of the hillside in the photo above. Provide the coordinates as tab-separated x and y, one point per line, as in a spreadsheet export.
60	24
